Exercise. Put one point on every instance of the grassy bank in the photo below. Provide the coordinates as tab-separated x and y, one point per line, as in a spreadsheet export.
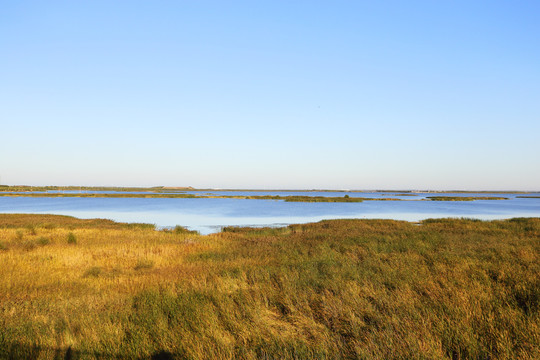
372	289
26	188
98	195
291	198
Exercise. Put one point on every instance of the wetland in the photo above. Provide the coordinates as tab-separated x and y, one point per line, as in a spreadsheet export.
375	289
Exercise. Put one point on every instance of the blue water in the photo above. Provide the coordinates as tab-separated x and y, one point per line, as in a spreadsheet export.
209	215
362	194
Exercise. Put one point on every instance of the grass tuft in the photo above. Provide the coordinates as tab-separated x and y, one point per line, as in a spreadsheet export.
180	230
94	271
19	235
42	241
48	226
31	230
143	264
71	239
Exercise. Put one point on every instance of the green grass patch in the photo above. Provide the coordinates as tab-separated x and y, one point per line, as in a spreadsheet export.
180	230
42	241
94	271
144	264
71	239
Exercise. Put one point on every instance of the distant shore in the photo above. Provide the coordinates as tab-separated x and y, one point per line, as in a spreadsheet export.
158	189
290	198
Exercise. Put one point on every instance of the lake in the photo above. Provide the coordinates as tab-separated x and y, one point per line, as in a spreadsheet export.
209	215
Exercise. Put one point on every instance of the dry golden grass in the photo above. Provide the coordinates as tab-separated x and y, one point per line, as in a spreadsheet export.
366	289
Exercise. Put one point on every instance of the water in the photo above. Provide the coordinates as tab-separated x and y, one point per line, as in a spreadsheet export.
362	194
209	215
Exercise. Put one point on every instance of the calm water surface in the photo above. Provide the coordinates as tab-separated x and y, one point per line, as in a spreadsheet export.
209	215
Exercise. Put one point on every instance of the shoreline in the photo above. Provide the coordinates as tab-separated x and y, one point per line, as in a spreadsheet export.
157	189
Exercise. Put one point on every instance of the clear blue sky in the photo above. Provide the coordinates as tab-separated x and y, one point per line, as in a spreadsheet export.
271	94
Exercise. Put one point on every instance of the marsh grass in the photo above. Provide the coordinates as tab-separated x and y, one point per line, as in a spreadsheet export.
180	230
101	195
94	271
71	239
42	241
465	198
31	229
26	188
302	198
367	289
143	264
291	198
19	235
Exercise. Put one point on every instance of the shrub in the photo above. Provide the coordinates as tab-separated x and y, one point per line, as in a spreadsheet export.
31	229
144	264
43	241
28	245
142	226
182	230
71	238
94	271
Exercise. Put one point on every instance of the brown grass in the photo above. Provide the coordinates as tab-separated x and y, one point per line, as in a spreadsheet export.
372	289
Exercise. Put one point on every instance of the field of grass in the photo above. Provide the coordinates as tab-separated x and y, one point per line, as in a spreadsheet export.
366	289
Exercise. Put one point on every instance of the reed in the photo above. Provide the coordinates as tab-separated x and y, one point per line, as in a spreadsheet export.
367	289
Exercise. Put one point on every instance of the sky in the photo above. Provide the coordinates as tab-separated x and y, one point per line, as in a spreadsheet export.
438	95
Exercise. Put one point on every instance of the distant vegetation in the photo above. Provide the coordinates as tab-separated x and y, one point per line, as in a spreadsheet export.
465	198
345	198
80	188
99	195
295	198
366	289
178	192
291	198
404	194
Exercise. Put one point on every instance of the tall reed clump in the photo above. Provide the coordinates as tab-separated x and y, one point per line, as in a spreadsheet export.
367	289
71	238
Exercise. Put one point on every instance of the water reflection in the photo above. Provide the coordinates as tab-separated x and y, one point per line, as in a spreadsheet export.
208	215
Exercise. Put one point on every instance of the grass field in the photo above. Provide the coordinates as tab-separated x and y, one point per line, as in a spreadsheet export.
366	289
